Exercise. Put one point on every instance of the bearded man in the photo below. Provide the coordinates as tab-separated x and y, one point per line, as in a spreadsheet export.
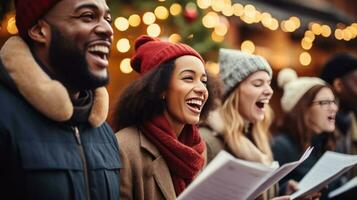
54	141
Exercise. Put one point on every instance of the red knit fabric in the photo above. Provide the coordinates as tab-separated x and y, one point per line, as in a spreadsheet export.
151	52
29	11
183	155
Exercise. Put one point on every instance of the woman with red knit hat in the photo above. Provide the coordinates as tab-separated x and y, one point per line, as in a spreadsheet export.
161	149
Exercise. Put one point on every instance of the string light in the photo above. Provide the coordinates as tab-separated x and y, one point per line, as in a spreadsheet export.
238	9
338	34
121	23
316	28
217	38
210	20
153	30
228	10
257	17
306	43
161	12
175	38
274	25
134	20
123	45
149	18
309	34
203	4
11	26
217	5
296	21
212	67
125	66
175	9
221	29
325	31
305	58
248	46
266	19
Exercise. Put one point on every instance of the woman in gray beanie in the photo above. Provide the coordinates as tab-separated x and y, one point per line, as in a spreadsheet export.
240	126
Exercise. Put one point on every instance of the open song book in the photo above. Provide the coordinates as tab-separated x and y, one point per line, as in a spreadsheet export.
229	178
328	168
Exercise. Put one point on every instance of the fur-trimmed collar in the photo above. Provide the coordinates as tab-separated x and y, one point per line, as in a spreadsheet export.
48	96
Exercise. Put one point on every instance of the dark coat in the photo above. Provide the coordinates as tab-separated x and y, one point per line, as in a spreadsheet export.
286	150
41	158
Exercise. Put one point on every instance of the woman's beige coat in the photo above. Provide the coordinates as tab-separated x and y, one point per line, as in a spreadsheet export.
144	174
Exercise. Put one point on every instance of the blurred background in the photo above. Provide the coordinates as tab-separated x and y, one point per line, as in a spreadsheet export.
300	34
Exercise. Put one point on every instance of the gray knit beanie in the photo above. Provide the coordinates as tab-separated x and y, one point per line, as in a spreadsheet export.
235	66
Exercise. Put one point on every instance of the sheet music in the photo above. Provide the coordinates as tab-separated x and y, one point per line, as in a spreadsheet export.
279	174
229	178
349	185
329	167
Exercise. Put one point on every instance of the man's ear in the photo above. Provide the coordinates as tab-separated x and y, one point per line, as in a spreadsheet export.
337	85
40	32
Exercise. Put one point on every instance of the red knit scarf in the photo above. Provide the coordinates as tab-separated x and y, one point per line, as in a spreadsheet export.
183	155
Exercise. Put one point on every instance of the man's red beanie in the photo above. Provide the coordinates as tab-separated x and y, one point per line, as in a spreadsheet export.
151	52
29	11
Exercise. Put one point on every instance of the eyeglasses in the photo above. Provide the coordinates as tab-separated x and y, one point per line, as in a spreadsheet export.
325	104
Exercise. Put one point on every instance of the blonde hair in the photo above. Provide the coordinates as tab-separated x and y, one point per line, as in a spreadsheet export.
235	138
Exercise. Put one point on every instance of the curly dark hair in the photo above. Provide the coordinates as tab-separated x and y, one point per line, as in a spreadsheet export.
141	100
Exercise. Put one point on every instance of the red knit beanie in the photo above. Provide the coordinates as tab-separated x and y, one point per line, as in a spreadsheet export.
151	52
29	11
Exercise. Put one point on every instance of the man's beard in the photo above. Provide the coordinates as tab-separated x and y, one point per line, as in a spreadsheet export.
70	65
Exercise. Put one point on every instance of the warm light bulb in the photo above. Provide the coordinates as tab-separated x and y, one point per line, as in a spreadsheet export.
217	38
149	18
305	58
11	26
238	9
203	4
212	67
221	29
161	12
316	28
134	20
228	10
175	38
123	45
248	46
154	30
121	23
125	66
325	31
306	43
210	20
217	5
338	34
175	9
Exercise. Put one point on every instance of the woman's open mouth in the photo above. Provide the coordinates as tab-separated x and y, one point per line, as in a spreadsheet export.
195	105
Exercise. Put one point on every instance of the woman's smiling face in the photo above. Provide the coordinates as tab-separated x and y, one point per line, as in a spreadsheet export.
187	92
254	93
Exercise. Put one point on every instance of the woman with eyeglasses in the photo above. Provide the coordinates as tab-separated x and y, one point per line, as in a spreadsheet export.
310	109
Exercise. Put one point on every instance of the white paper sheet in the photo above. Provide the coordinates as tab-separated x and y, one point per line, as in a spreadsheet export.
229	178
328	168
